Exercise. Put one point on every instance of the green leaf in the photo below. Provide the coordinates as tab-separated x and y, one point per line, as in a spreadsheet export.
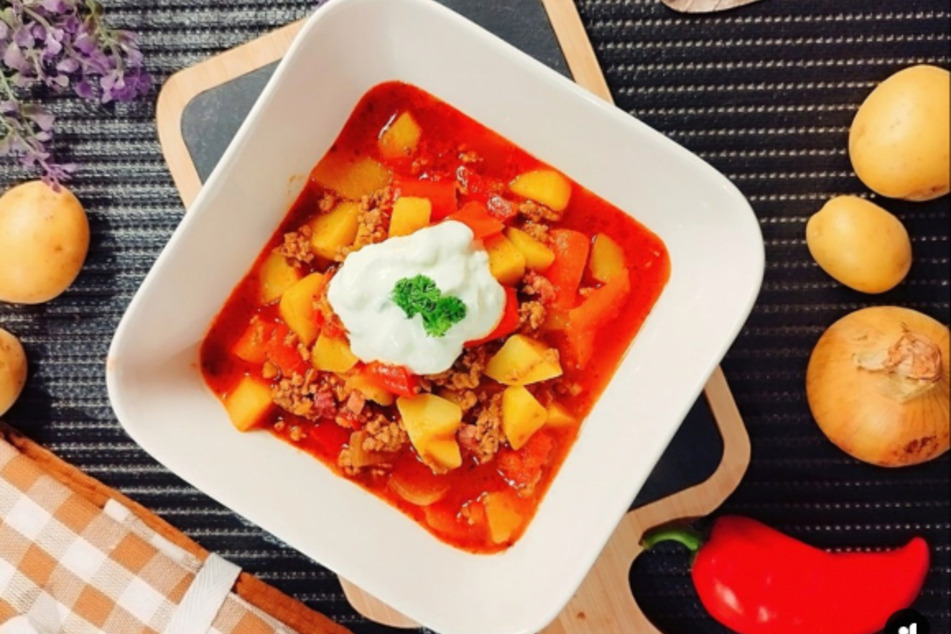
420	296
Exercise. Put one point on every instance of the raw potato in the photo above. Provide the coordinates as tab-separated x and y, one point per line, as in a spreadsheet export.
12	370
899	141
44	238
859	244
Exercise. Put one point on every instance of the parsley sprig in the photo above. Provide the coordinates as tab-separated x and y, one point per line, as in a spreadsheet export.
420	296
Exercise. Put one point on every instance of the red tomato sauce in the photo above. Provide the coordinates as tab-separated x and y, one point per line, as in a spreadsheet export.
461	505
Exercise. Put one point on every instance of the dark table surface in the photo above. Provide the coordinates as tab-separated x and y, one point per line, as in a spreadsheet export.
764	93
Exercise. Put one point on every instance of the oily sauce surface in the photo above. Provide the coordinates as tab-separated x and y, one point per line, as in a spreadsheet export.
480	164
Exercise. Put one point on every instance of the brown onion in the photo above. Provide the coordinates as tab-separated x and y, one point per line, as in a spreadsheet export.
877	385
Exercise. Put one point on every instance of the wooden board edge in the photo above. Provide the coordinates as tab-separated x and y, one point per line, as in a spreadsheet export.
187	84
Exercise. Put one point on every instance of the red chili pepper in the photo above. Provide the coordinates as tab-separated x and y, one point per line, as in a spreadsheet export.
393	378
756	580
507	325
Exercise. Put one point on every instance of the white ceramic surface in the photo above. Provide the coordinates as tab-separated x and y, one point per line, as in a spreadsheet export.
347	47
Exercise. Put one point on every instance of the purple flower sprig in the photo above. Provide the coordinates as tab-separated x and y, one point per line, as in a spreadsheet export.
55	46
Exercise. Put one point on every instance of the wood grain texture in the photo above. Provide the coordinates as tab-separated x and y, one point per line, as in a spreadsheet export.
603	604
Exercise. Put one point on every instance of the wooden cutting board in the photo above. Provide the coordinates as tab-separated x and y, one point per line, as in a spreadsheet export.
201	107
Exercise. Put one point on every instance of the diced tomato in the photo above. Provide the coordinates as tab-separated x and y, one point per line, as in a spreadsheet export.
441	194
501	208
507	325
571	257
393	378
284	356
475	216
593	314
523	468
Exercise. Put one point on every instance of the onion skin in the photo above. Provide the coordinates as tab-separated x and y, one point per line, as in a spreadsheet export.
876	415
12	370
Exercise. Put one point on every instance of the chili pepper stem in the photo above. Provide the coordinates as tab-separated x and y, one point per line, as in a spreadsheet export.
683	535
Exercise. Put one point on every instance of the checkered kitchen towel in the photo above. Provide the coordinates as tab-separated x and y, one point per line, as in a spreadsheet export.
68	566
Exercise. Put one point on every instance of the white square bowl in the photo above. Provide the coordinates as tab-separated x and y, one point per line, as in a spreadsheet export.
346	48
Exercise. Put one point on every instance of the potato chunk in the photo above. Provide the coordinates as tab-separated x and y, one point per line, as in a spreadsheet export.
547	187
506	262
248	402
400	138
298	307
522	361
559	416
332	354
275	277
431	422
607	259
410	214
351	178
538	256
522	415
335	229
503	515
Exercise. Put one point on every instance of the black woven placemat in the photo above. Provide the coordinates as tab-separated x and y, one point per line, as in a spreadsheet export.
764	93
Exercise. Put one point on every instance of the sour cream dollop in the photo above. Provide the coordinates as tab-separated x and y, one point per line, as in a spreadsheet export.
361	294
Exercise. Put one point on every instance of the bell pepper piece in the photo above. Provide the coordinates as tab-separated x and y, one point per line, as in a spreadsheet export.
593	314
571	257
441	194
754	579
507	325
282	354
393	378
475	216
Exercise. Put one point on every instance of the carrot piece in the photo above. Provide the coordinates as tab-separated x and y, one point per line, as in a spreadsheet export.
441	194
571	257
252	345
393	378
507	325
475	216
593	314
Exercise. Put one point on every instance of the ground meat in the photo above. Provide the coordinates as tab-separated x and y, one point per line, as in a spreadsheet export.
537	212
537	230
373	221
296	247
383	435
531	316
484	438
465	399
309	395
322	304
465	373
538	286
327	201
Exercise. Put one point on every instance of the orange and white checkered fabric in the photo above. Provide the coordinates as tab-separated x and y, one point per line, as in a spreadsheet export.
67	566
